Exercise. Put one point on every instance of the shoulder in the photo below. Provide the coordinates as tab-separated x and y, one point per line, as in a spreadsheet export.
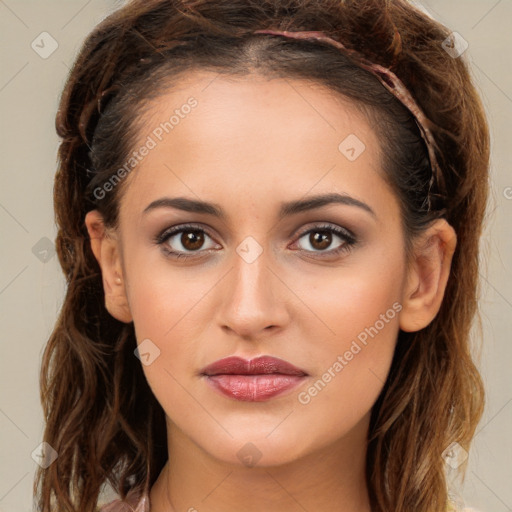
134	502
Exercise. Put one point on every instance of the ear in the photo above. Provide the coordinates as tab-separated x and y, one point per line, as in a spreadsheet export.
106	249
427	276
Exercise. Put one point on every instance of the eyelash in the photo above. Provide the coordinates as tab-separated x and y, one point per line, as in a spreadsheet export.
348	238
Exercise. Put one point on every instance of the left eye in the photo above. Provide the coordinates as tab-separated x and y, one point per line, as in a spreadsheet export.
319	239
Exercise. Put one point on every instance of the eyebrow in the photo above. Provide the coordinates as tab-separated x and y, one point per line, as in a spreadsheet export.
287	209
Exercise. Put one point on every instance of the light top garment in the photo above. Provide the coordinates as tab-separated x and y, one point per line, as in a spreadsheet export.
134	503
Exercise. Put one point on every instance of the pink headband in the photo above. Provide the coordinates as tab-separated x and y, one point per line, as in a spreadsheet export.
391	82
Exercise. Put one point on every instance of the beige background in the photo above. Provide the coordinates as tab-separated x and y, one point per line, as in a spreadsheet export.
31	289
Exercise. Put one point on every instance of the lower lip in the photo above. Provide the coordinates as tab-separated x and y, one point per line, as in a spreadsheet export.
254	388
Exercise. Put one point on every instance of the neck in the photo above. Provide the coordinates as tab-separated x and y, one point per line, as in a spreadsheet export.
329	479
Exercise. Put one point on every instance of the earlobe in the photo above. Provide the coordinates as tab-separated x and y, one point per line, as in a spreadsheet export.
105	247
428	275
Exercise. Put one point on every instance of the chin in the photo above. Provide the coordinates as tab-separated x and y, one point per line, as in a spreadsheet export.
257	450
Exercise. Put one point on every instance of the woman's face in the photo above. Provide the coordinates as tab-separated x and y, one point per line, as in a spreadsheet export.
294	250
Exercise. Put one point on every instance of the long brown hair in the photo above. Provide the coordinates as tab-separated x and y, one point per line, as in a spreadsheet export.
101	416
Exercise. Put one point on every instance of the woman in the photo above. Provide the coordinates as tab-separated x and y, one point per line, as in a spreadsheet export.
269	220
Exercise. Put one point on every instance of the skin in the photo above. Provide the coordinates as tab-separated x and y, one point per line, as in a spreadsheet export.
249	145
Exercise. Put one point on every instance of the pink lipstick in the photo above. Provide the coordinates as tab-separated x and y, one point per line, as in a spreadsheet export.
253	380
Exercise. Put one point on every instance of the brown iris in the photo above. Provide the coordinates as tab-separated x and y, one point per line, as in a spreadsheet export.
320	239
192	240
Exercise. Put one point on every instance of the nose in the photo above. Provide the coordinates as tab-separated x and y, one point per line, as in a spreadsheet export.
253	299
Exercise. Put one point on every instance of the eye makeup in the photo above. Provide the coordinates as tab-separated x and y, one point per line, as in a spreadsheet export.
194	234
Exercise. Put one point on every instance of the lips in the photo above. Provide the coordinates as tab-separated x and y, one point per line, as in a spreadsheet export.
253	380
262	365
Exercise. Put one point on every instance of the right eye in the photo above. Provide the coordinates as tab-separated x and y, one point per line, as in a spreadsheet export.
184	241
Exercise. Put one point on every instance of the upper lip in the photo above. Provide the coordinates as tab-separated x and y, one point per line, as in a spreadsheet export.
259	366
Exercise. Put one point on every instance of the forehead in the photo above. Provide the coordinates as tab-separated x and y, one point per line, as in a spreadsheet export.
249	135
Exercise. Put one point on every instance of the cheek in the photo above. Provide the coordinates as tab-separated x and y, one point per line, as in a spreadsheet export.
351	299
169	308
341	398
172	308
361	307
163	300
